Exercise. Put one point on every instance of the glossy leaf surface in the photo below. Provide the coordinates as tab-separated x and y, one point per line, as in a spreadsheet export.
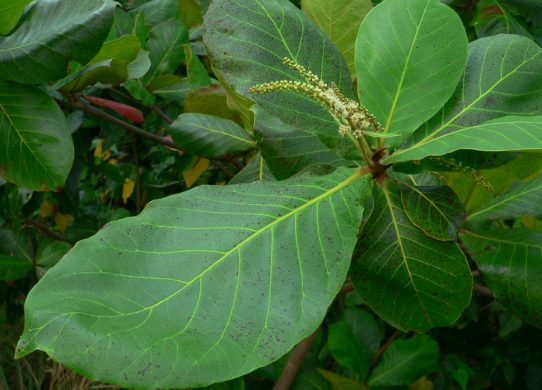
511	263
510	133
522	199
498	81
206	285
405	361
209	136
409	57
53	33
248	39
36	148
436	210
340	19
409	279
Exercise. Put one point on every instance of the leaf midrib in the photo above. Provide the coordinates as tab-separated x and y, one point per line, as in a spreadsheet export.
404	72
504	200
465	109
395	224
256	234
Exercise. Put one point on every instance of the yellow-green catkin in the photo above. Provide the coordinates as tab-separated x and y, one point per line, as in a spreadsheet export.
352	117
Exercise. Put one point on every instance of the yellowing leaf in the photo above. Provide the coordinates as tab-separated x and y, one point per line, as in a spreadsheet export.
63	220
422	384
192	175
127	189
47	209
99	151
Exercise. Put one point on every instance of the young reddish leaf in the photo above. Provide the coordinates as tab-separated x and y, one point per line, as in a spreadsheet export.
126	111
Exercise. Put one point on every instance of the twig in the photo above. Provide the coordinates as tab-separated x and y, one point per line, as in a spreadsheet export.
384	347
79	105
483	291
125	125
152	107
45	230
138	173
290	371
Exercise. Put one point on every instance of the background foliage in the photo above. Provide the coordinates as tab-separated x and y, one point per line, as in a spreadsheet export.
144	67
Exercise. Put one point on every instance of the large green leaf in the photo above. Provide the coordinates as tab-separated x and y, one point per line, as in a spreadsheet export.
405	361
10	13
209	136
511	263
201	287
410	280
502	77
340	19
436	210
51	34
522	199
36	147
409	57
510	133
288	150
247	41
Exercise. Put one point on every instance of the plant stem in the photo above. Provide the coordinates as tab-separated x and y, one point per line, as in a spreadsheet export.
295	362
154	108
384	347
45	230
125	125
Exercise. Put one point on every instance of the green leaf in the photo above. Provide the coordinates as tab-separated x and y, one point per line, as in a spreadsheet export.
364	327
124	48
289	151
347	350
436	210
410	280
498	81
340	382
510	133
492	18
158	11
171	88
209	136
248	39
53	33
108	72
257	169
340	19
49	255
15	255
522	199
405	361
206	285
511	262
196	71
10	13
409	57
165	47
36	147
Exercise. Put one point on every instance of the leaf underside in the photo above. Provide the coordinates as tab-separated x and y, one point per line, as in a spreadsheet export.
201	287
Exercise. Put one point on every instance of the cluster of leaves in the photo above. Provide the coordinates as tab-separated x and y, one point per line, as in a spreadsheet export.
106	107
